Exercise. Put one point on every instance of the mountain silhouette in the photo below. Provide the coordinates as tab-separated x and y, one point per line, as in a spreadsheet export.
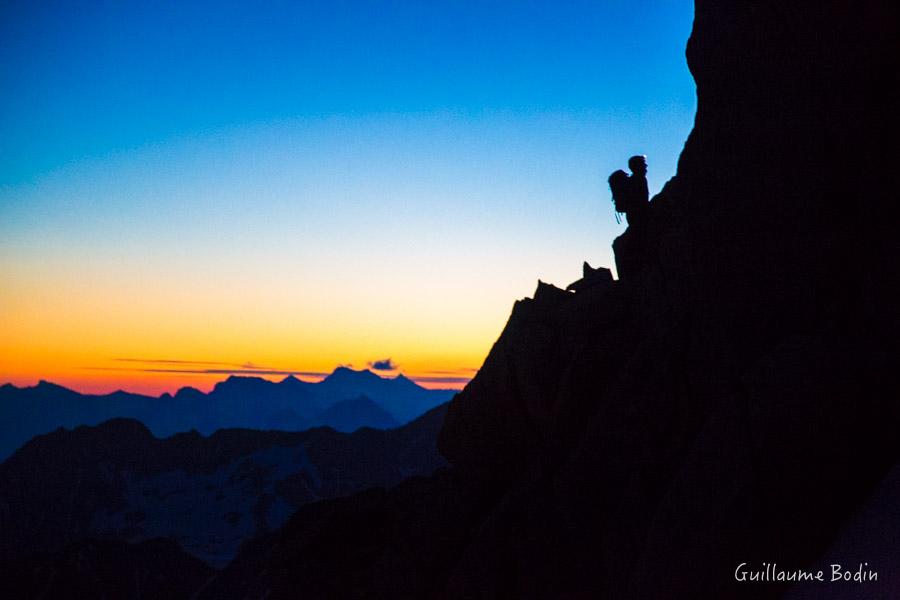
350	415
248	402
117	481
399	396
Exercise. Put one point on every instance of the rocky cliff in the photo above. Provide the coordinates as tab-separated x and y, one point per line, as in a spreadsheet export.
730	400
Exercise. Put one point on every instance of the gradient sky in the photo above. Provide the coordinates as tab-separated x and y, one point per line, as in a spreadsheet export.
288	186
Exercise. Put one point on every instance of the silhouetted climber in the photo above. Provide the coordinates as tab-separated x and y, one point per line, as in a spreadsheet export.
630	193
638	180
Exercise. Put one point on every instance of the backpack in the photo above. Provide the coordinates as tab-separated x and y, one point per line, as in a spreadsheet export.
618	185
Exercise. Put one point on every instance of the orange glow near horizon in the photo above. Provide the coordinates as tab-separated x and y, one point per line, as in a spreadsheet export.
150	332
96	375
158	384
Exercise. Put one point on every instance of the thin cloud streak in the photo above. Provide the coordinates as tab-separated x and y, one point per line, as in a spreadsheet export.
235	371
173	361
428	379
452	377
223	367
451	371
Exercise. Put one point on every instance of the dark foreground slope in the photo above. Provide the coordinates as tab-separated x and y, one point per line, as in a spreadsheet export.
152	570
117	481
732	399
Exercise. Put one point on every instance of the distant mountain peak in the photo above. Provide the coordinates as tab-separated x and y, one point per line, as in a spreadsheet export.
188	391
241	382
360	411
292	380
244	378
406	381
346	373
43	384
45	387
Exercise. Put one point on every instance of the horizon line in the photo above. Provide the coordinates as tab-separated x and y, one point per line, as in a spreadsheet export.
457	380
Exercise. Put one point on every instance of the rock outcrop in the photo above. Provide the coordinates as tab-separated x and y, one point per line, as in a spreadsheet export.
731	399
737	406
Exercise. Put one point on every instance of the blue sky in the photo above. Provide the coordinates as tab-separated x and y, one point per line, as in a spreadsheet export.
83	79
430	160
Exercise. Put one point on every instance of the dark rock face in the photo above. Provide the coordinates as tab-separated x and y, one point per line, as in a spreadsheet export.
152	570
747	418
729	400
517	407
400	543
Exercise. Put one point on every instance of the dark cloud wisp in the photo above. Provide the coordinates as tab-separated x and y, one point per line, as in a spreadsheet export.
384	364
